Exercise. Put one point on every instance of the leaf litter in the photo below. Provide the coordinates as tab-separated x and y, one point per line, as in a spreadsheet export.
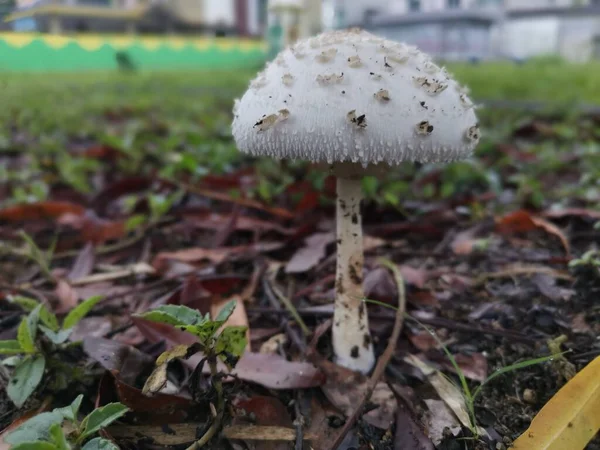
485	267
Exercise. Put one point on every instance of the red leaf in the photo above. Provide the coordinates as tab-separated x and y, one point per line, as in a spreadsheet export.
266	410
119	188
522	221
157	332
40	211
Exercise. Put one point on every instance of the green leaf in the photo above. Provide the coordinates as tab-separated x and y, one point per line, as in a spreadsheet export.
35	429
59	337
101	417
70	412
39	445
134	222
28	330
10	347
80	311
226	311
57	435
11	361
24	337
175	315
25	379
232	341
46	317
99	444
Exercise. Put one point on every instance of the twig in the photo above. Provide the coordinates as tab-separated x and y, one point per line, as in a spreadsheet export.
288	304
298	341
299	423
384	359
524	270
218	385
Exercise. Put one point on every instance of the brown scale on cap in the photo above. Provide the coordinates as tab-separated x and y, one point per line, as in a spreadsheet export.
424	128
326	55
431	86
330	78
354	62
473	134
287	79
359	121
382	95
269	121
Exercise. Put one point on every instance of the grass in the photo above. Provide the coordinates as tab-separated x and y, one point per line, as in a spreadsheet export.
180	123
547	80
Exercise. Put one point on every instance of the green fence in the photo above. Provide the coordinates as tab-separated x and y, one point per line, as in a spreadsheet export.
24	52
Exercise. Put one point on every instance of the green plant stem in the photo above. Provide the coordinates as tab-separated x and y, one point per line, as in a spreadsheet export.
218	385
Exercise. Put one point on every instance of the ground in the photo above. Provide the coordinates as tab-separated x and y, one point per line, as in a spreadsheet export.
133	189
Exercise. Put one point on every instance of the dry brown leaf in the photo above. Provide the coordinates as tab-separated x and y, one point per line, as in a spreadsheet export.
522	221
447	391
311	254
345	389
274	343
67	297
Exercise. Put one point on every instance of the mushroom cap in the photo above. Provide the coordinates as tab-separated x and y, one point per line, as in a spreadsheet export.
350	96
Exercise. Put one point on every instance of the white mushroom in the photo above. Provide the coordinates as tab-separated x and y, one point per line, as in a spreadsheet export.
379	113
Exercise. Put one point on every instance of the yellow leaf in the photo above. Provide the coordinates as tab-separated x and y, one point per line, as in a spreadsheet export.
570	419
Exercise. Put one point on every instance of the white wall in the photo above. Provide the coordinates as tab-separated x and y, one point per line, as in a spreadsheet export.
219	11
527	37
576	37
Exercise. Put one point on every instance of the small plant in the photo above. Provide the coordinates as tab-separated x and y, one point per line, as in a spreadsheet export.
48	430
470	395
228	345
589	258
37	349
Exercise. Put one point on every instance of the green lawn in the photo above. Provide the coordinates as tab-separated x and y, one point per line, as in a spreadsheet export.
178	124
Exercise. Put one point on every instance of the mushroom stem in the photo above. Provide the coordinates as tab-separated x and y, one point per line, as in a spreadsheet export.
352	342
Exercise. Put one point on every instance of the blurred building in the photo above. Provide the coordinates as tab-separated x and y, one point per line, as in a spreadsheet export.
480	29
216	17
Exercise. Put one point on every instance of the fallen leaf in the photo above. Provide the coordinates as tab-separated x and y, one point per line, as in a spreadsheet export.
345	389
262	433
379	285
214	255
40	211
156	410
522	221
67	296
570	419
439	417
416	277
579	324
114	191
447	391
311	254
274	343
473	366
128	361
270	371
83	264
409	435
166	434
265	410
464	242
